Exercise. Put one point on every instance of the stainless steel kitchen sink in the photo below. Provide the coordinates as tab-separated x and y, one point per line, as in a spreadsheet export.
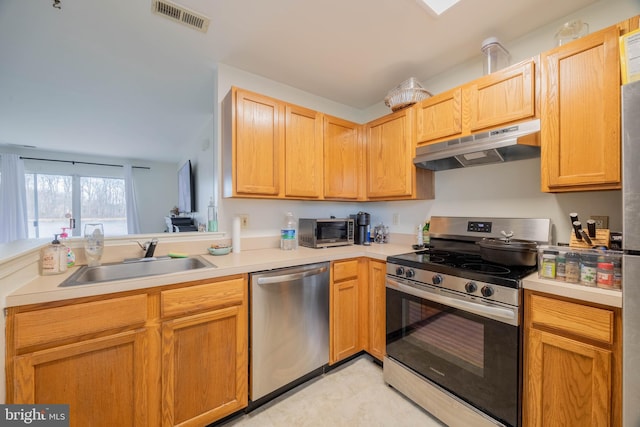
130	270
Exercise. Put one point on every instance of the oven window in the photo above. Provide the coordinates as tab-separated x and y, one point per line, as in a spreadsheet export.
473	357
446	335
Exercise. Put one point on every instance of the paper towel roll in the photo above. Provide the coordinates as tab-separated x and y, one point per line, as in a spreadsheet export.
235	234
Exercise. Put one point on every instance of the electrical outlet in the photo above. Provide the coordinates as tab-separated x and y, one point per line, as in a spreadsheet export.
244	220
602	221
396	218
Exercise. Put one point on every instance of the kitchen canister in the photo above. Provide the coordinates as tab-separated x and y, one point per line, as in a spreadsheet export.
572	267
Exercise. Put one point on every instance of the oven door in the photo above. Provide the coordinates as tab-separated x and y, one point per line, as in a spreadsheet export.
453	343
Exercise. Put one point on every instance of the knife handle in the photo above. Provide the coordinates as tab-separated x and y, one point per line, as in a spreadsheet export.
586	238
591	227
577	226
574	217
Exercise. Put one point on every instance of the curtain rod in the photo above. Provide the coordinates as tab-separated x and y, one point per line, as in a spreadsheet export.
83	163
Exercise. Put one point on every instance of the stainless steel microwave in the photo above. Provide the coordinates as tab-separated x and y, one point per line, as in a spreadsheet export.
325	232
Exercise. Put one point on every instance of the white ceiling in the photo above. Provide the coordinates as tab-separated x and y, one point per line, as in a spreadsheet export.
110	78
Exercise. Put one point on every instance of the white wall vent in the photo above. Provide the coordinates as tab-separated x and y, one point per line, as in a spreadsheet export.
180	14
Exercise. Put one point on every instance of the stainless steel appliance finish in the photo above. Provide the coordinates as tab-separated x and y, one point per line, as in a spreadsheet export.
325	232
453	320
495	146
631	259
289	326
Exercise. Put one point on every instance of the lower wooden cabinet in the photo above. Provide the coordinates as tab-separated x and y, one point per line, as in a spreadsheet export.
174	355
103	380
572	363
377	309
204	355
344	311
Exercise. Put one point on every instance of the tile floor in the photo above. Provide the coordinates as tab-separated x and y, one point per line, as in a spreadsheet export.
352	395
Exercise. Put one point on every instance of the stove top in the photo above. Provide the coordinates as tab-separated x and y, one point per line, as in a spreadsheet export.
467	265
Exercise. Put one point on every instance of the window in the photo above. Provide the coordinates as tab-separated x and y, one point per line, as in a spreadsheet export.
53	199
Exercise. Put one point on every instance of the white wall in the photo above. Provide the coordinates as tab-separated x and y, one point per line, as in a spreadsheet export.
506	190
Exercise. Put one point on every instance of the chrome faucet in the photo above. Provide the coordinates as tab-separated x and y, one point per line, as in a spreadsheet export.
148	247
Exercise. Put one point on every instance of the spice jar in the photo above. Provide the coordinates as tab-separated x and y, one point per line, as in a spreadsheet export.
548	264
604	273
572	267
561	267
617	273
588	270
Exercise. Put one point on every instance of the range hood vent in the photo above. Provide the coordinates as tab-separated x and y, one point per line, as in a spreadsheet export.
180	14
516	142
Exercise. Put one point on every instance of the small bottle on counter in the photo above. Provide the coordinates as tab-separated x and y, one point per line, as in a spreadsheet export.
572	267
617	273
426	239
548	270
561	267
53	258
604	273
588	270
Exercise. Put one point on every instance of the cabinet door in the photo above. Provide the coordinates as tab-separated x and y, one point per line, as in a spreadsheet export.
580	128
204	367
568	383
343	159
344	318
377	309
257	144
104	380
504	96
390	148
303	152
439	117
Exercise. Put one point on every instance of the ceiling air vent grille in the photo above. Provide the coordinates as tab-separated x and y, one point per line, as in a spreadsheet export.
180	14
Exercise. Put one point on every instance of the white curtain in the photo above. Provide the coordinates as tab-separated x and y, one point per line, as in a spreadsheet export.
13	199
133	221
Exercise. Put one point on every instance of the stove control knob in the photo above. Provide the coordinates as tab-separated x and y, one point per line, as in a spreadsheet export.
400	271
486	291
471	287
410	273
437	279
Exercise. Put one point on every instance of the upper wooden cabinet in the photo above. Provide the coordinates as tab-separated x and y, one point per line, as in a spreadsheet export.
440	116
502	97
252	148
580	126
303	165
343	159
506	96
391	146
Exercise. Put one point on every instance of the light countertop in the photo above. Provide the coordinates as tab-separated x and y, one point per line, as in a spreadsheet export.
46	288
612	298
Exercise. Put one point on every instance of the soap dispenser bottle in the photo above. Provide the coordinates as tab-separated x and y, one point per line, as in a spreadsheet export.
53	258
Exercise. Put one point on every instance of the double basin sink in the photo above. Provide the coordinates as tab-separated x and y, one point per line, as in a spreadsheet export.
132	269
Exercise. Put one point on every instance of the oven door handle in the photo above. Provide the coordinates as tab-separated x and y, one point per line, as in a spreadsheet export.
476	308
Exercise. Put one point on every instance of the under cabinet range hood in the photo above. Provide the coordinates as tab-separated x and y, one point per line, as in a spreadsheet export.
515	142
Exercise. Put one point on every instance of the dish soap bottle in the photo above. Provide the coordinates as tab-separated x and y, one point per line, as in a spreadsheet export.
288	240
425	233
53	258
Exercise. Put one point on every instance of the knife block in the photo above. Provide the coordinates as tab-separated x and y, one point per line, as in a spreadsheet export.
601	239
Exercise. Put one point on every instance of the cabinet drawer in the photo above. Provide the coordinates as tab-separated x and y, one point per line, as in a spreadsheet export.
577	319
345	270
59	323
227	293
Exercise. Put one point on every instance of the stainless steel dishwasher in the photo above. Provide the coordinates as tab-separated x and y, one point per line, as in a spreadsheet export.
289	328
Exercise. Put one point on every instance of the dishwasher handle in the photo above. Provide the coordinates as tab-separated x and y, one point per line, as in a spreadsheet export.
290	277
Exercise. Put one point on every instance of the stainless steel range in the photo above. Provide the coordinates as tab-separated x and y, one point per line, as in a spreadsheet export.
453	322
